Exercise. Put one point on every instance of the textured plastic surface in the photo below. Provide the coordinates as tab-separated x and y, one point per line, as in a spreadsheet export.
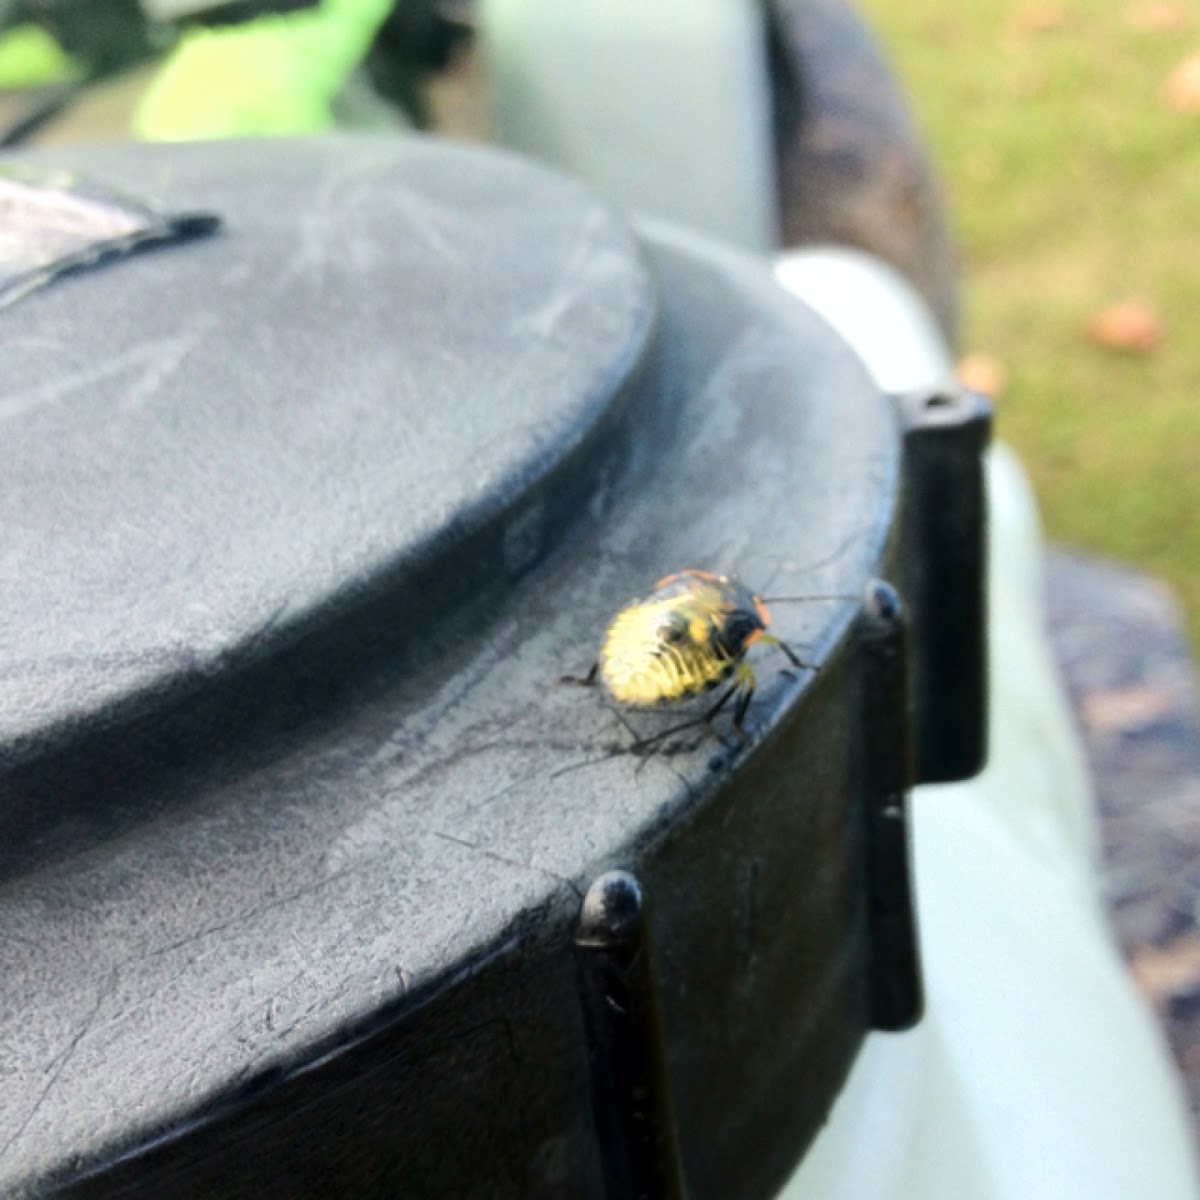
268	425
306	522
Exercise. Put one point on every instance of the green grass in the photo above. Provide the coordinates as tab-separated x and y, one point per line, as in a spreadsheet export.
1070	186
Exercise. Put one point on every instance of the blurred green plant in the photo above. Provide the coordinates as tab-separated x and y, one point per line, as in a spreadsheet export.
29	56
274	76
1072	169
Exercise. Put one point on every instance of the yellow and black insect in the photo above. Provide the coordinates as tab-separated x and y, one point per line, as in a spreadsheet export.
687	636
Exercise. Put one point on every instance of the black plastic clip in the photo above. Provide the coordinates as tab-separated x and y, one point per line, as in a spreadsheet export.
895	984
942	575
631	1089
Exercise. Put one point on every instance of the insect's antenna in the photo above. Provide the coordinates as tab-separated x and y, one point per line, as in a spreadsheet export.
845	544
806	599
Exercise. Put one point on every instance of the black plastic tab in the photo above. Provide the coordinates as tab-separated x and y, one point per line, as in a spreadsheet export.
631	1087
896	993
943	578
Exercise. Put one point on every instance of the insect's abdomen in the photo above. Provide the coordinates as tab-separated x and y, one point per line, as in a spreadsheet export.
641	665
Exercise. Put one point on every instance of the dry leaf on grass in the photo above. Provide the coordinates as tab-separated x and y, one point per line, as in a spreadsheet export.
1168	972
982	373
1157	16
1180	91
1036	19
1131	325
1128	709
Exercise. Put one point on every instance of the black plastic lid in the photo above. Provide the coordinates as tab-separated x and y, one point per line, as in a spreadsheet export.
301	523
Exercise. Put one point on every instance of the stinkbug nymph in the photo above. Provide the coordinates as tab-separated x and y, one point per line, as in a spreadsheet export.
687	636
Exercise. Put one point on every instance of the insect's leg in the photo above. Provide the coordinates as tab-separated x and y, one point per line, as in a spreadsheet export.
771	640
629	729
655	739
745	687
720	704
581	680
